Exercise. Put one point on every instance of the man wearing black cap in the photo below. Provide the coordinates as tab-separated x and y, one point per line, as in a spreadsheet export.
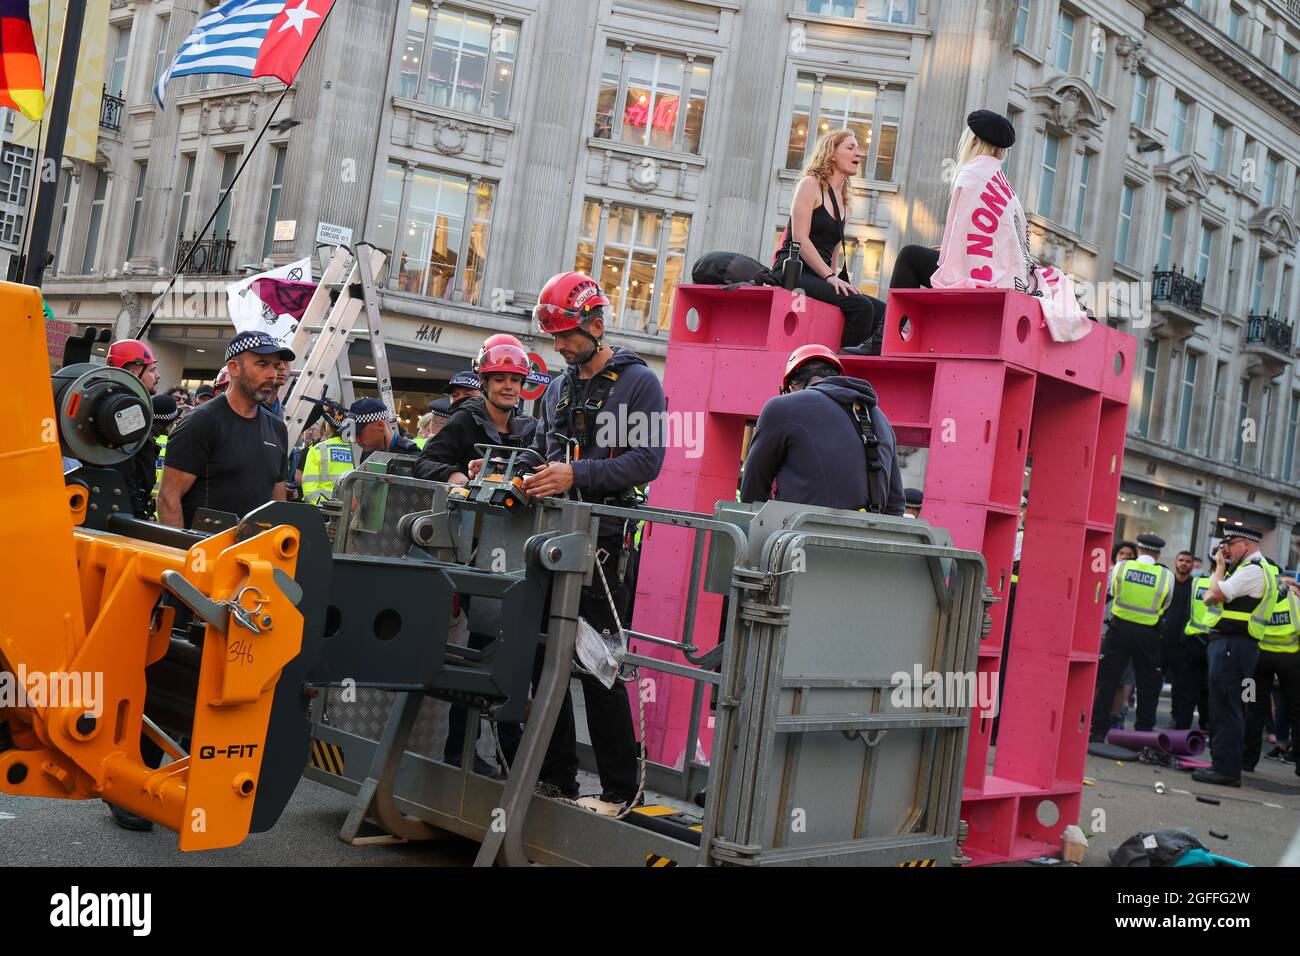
463	385
230	454
375	430
1142	590
204	394
1240	584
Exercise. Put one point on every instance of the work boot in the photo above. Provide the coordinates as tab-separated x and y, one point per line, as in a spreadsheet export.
128	820
553	792
1211	776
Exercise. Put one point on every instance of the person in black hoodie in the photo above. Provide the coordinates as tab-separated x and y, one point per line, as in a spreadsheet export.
489	418
811	448
591	416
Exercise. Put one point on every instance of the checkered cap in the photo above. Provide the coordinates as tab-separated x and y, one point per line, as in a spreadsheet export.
367	410
1250	534
258	342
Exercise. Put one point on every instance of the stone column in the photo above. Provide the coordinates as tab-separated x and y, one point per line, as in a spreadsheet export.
549	159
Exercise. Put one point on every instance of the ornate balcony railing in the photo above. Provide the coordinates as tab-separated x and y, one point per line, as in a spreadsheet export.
212	257
110	110
1177	289
1272	332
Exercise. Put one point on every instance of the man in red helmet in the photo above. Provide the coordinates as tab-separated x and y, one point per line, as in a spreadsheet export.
490	418
824	441
135	357
602	386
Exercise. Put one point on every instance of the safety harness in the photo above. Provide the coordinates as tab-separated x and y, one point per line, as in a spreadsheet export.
859	413
576	423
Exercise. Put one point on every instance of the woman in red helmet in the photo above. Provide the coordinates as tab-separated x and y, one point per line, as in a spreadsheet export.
490	418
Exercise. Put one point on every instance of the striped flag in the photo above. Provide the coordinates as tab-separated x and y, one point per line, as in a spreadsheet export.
249	38
22	87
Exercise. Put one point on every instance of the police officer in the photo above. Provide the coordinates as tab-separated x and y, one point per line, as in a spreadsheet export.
824	441
598	465
1142	590
465	385
1194	680
913	498
328	460
166	411
1279	657
1241	599
376	430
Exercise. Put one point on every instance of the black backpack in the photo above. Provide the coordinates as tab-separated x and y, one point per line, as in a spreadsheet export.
731	269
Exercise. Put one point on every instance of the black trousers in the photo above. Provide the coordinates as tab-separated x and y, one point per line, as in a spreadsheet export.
863	315
1191	684
509	734
1232	662
1124	642
914	267
1286	669
609	712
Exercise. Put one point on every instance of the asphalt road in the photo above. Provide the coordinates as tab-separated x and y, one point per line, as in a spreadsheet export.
1259	821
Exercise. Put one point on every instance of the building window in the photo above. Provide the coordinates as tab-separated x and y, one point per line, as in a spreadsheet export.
641	94
1141	89
160	58
1218	409
881	11
1288	63
1292	421
434	254
637	255
91	257
187	190
1185	399
863	260
1178	131
273	202
1047	178
1125	222
1236	16
1147	402
1022	21
1219	148
1243	412
1081	196
1164	255
1262	456
1272	168
1204	253
65	185
136	206
465	62
1284	303
1065	23
864	108
1195	7
225	201
1249	171
1257	286
1098	58
117	65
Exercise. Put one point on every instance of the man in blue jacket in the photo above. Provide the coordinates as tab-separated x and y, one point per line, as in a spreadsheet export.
599	434
824	441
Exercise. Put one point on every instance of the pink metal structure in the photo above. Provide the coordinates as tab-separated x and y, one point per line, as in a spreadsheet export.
975	377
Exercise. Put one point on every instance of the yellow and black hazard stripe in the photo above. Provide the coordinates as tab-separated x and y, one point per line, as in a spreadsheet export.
327	757
654	860
667	821
914	863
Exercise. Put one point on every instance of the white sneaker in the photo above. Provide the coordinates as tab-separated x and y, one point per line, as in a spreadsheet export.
606	808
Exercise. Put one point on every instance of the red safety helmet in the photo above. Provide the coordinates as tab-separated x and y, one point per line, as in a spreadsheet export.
504	357
802	356
491	342
566	302
222	380
126	351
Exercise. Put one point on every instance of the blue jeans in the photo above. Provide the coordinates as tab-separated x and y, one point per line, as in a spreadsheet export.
1232	662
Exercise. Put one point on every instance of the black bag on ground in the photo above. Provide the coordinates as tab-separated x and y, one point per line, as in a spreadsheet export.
731	269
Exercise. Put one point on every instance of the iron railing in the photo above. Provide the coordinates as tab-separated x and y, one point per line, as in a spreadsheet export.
1272	332
110	110
212	257
1177	288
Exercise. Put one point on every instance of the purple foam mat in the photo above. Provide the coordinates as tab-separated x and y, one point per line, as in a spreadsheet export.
1134	739
1182	743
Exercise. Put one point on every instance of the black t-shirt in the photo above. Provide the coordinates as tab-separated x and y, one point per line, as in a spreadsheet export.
236	461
